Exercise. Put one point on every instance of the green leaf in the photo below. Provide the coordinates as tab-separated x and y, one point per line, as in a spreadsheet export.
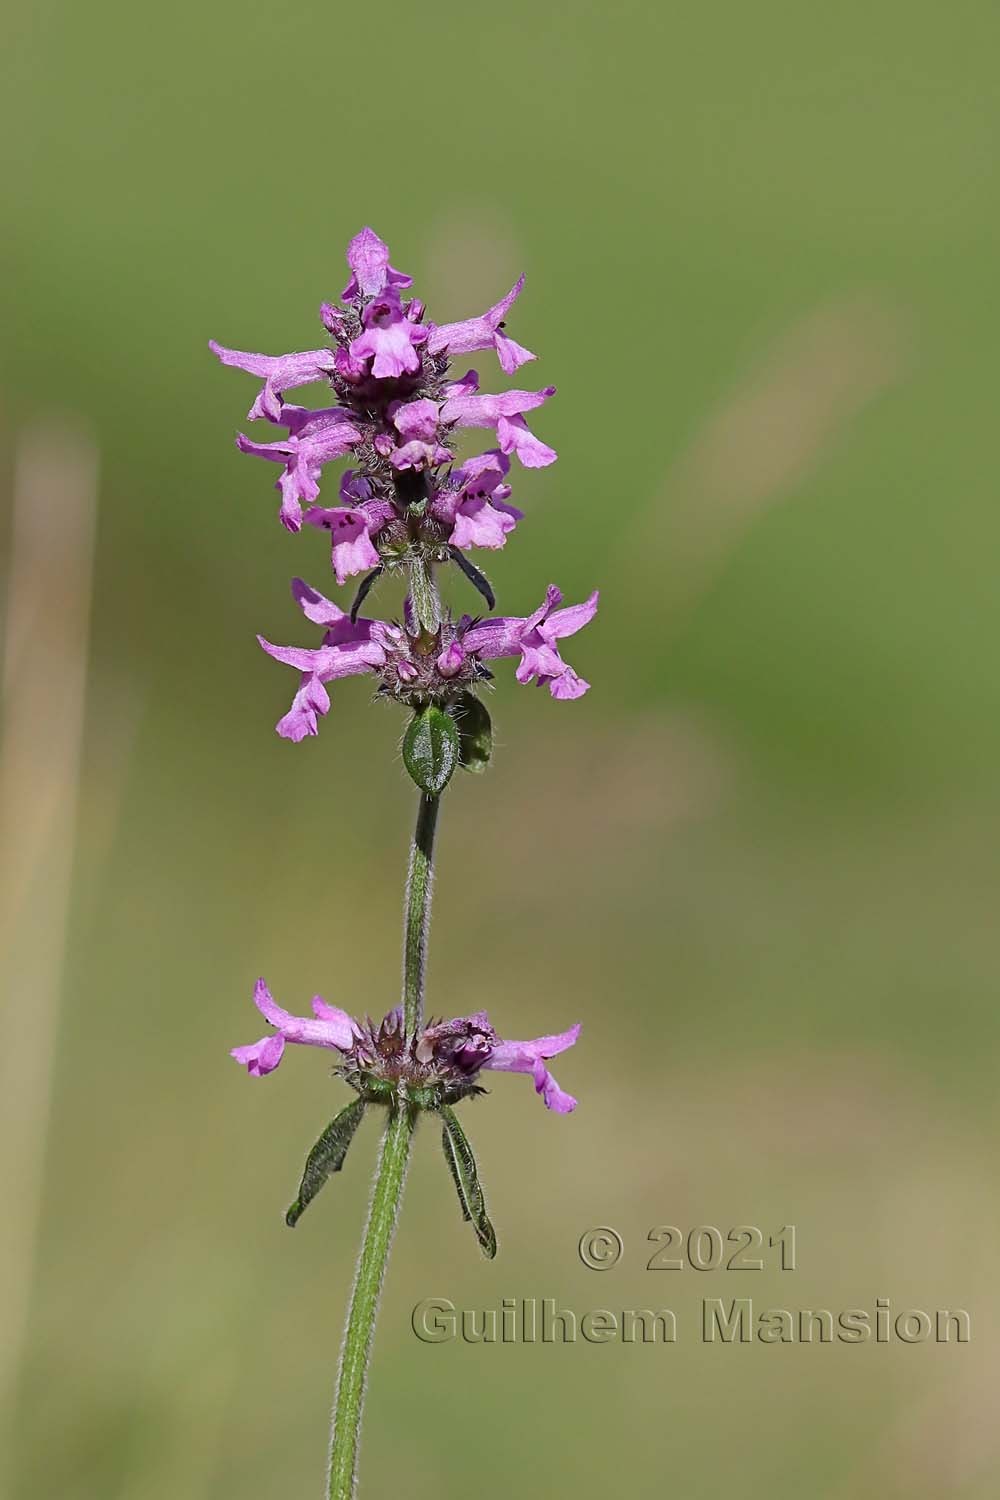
325	1157
430	749
462	1163
475	732
426	604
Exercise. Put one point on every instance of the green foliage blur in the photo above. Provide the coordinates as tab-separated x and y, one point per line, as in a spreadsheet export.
757	861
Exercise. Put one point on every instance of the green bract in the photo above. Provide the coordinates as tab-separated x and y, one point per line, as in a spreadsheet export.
431	749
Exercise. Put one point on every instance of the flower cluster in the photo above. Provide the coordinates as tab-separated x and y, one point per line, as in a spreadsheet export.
406	504
439	1065
413	666
396	410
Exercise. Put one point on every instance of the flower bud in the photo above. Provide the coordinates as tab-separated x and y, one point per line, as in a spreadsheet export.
451	660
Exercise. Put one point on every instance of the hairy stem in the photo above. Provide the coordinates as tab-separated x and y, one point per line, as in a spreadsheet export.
418	913
390	1175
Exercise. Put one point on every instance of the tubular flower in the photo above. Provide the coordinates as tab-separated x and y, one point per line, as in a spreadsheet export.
485	332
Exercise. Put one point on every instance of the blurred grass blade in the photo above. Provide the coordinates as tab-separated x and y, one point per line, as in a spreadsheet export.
462	1163
326	1157
46	633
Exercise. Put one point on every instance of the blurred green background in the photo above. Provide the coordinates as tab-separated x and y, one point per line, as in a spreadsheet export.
757	861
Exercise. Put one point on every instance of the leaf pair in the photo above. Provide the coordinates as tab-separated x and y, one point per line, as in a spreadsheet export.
327	1157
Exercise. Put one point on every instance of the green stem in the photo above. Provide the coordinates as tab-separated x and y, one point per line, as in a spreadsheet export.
418	913
390	1175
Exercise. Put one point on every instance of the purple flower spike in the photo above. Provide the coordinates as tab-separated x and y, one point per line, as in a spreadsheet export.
396	398
485	332
280	372
447	1055
368	258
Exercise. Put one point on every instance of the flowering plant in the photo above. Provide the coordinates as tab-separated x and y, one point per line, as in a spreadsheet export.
406	507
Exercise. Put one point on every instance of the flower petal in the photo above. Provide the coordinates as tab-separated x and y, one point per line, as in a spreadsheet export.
260	1058
331	1028
520	1057
310	704
333	1015
554	1097
315	606
515	436
568	685
564	622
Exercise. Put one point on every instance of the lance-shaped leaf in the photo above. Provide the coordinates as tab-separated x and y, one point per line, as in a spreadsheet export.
325	1157
478	580
458	1154
475	732
430	749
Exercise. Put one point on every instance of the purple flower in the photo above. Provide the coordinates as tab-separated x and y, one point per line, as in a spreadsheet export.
389	339
314	438
531	1057
351	531
348	649
485	332
504	413
476	507
368	258
448	1054
534	638
328	1028
281	372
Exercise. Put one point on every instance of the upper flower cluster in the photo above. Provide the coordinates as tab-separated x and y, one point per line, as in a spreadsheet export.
397	408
